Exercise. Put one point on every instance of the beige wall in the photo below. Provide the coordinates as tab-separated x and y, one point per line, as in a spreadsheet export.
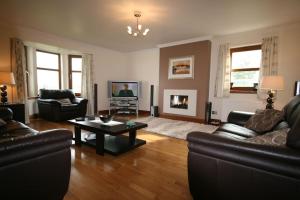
289	68
108	64
201	52
144	66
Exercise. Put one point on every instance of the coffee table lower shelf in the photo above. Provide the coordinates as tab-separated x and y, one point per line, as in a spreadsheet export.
116	145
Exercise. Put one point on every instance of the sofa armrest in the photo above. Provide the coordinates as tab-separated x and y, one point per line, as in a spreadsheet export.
27	147
78	100
276	159
239	117
36	166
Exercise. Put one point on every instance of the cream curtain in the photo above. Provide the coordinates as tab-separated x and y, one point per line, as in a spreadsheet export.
222	84
87	82
32	72
18	61
269	61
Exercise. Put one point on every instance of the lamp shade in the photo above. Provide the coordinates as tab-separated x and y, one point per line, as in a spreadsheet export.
272	83
7	78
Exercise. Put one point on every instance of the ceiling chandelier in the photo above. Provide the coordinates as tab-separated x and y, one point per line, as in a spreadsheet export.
137	30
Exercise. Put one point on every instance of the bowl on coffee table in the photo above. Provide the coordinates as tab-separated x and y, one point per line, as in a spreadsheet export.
106	118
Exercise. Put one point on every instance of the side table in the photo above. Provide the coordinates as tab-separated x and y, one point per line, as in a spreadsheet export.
18	110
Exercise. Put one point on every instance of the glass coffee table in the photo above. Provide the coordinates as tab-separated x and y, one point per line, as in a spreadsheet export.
109	137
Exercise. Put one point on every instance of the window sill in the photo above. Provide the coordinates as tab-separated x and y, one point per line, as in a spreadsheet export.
30	98
236	91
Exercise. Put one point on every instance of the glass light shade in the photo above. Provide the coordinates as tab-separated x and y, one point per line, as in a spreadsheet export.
140	27
7	78
129	30
146	31
272	83
135	34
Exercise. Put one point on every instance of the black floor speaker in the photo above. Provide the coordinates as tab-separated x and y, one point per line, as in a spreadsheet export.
154	111
208	112
96	99
151	96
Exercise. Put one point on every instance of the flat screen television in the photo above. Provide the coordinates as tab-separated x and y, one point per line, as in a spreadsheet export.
124	89
297	88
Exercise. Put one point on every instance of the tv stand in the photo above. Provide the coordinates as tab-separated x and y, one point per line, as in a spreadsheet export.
123	105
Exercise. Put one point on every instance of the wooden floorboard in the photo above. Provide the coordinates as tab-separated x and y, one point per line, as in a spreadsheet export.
157	170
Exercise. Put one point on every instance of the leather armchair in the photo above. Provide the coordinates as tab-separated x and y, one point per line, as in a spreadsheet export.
51	109
223	166
34	165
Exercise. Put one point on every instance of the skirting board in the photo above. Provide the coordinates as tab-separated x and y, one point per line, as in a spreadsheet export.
167	116
182	118
34	116
141	112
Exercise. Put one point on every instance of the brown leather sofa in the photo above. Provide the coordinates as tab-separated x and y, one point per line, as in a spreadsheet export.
223	166
51	109
33	165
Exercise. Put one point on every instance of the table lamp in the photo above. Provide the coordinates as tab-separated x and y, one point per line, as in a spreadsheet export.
6	78
272	84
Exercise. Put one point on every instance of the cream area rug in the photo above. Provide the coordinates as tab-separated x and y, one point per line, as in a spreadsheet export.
174	128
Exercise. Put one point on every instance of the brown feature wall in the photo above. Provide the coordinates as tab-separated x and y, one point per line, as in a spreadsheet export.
201	52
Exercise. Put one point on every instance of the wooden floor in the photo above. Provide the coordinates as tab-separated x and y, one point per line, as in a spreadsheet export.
157	170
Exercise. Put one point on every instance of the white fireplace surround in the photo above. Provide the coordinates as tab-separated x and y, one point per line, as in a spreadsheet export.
192	102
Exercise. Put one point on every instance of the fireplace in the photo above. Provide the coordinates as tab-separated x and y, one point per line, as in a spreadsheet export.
179	101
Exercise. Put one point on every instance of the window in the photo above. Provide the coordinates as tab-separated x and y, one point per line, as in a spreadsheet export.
75	69
48	70
245	64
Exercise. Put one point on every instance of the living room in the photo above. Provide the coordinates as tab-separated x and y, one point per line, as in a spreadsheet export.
159	168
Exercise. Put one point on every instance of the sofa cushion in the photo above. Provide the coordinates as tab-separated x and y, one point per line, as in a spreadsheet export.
56	94
229	135
277	138
71	107
281	125
293	136
238	130
264	120
64	101
292	110
16	129
2	126
2	123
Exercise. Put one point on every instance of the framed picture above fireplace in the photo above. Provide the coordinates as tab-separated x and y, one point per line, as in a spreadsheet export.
181	68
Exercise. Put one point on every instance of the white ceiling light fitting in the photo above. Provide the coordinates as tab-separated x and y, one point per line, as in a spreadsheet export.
138	29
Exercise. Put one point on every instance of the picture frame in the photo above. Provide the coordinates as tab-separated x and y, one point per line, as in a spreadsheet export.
181	68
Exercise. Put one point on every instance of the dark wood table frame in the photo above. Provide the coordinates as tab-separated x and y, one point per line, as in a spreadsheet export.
109	139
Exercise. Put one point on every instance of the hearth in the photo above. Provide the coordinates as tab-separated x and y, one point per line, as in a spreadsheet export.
179	101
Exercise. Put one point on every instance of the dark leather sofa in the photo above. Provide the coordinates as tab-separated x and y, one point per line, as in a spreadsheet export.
33	165
223	166
51	109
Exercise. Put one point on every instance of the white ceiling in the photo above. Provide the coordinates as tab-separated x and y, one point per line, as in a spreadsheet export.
104	22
